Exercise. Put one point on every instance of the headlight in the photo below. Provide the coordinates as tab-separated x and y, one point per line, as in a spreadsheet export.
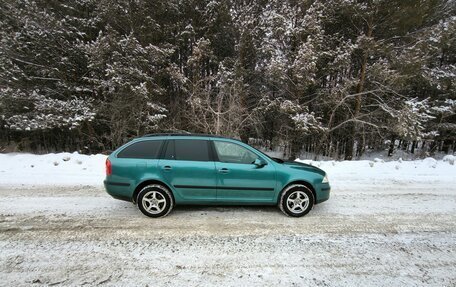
325	179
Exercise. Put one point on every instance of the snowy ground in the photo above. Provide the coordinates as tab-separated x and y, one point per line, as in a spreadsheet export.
386	224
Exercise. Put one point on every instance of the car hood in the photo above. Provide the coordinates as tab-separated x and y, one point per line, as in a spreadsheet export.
304	166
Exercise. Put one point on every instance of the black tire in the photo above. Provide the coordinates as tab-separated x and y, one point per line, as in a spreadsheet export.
296	195
155	200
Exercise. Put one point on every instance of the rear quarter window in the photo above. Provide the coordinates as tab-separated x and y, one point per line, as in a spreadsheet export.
148	149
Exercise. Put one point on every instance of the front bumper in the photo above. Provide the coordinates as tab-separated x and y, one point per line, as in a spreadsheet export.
323	193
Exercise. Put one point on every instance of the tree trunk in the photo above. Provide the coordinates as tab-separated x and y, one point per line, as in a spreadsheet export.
358	100
405	145
391	147
446	146
414	143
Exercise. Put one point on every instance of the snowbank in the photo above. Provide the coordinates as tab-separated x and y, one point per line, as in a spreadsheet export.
52	169
77	169
340	173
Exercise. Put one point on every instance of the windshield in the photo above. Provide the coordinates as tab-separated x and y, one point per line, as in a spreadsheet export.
273	158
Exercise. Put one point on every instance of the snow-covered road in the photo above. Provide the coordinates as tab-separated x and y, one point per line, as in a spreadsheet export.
386	224
374	234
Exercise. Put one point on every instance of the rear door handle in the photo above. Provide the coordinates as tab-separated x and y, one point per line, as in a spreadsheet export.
167	168
224	170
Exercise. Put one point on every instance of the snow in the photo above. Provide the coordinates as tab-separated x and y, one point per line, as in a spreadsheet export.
354	173
71	169
449	158
18	169
392	224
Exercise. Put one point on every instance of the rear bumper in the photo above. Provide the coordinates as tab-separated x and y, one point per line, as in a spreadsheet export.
118	190
323	193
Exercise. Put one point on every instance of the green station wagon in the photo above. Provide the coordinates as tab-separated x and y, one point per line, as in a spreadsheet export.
160	171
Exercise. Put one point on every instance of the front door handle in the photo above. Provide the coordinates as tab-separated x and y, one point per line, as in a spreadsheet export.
167	168
224	170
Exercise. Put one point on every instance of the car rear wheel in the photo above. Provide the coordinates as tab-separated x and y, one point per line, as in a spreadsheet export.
155	200
296	200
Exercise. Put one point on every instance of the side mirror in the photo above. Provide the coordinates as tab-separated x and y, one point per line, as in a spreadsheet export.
259	162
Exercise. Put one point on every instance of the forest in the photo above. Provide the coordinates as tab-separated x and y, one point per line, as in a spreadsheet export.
333	78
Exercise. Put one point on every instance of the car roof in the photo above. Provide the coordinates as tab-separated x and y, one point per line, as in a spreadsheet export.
186	135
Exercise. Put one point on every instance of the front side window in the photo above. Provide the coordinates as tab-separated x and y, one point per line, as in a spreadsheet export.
147	149
233	153
192	150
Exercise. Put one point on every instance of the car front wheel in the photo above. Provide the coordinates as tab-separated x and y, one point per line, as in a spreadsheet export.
296	200
155	200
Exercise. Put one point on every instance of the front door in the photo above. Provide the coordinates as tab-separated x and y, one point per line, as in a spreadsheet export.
187	166
238	178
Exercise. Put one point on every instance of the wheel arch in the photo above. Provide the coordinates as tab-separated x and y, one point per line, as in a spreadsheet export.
148	182
302	182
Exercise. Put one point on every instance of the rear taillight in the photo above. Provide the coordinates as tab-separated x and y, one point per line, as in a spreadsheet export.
108	167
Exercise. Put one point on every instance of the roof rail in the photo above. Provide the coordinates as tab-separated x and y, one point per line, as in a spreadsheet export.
183	134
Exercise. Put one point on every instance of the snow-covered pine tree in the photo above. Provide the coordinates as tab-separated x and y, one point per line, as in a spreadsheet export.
41	64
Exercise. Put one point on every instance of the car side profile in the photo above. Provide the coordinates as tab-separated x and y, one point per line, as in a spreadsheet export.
160	171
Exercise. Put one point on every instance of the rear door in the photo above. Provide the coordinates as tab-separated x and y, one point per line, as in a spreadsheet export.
188	167
238	179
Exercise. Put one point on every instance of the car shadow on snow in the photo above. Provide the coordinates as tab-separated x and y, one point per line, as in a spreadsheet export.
186	211
204	209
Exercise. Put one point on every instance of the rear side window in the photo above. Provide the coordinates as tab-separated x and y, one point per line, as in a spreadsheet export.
148	149
194	150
